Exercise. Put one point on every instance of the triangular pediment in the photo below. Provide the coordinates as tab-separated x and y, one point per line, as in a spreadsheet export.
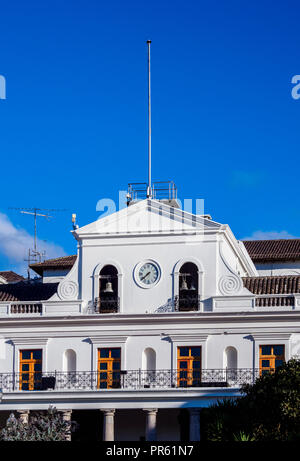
148	217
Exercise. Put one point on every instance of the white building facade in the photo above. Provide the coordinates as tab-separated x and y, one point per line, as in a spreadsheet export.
154	321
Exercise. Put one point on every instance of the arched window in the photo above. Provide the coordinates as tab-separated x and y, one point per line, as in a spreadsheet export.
108	300
188	298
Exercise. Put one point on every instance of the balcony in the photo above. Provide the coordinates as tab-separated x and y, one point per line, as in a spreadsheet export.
259	303
26	308
22	309
276	300
126	379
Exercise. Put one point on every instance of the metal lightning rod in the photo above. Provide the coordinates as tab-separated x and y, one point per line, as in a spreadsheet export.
149	189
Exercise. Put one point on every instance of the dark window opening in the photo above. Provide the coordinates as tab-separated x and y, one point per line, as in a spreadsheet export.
108	300
188	299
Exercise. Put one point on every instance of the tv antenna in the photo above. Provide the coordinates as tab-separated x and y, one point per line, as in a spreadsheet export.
33	254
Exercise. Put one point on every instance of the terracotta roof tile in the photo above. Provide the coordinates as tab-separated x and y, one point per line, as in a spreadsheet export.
65	262
27	291
273	285
11	276
273	250
283	284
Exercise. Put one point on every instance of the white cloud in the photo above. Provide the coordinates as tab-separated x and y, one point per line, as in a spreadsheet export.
269	235
15	242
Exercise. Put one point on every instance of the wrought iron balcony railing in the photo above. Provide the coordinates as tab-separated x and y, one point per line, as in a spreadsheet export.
187	303
107	306
129	379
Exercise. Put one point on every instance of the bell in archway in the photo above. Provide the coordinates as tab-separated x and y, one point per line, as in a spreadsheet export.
108	288
184	285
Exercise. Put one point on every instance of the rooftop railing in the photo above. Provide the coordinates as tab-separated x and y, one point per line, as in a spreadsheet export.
161	190
270	300
126	379
26	308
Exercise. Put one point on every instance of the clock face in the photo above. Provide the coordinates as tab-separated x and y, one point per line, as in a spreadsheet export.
148	274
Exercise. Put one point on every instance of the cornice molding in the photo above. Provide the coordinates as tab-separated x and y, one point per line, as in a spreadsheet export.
25	341
266	336
172	319
140	235
185	337
104	339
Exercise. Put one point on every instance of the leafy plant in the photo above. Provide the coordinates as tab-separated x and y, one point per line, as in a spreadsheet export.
268	410
15	430
242	437
48	426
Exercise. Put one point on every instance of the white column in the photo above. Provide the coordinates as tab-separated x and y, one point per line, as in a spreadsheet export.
194	424
150	423
67	414
23	416
108	425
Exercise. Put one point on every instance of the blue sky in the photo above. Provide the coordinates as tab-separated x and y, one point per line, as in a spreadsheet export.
73	128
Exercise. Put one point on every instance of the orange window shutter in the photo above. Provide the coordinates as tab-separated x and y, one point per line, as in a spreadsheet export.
109	367
30	369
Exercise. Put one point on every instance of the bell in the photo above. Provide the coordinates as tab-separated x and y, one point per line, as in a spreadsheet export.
192	287
184	285
108	288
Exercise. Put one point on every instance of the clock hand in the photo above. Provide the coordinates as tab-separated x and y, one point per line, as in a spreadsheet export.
145	276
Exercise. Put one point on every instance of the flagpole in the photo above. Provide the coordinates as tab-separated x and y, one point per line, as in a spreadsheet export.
149	189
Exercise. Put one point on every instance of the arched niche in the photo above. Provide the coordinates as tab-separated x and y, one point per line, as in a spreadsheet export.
69	361
230	358
149	359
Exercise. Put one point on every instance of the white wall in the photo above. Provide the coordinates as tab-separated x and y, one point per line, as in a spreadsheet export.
54	276
279	268
164	346
295	346
127	254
